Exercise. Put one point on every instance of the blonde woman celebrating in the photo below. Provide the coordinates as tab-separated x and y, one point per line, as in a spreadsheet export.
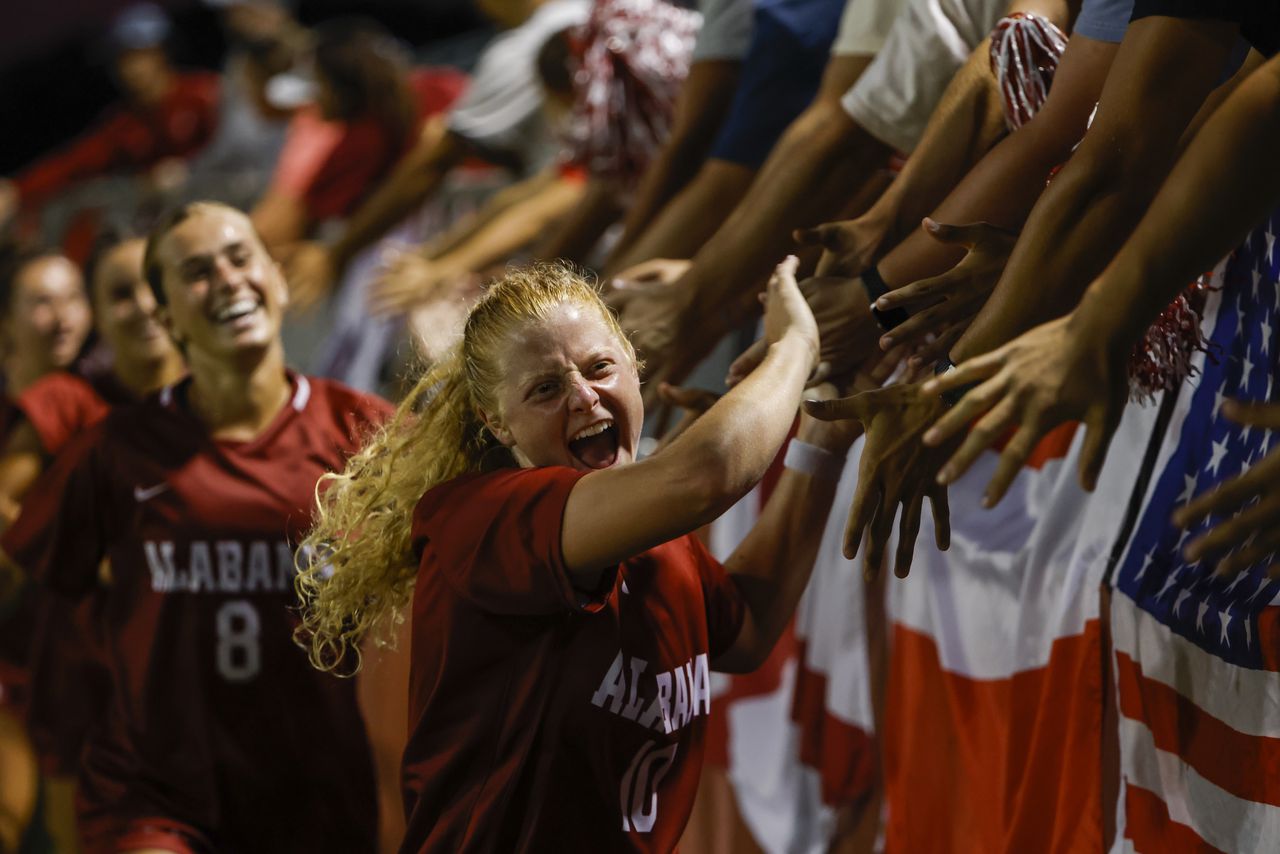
564	620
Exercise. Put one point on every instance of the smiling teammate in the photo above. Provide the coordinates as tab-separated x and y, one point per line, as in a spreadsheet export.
219	736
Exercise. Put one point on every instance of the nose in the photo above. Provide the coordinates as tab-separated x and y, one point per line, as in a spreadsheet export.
227	274
582	397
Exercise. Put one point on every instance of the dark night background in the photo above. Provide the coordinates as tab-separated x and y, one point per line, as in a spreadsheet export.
55	78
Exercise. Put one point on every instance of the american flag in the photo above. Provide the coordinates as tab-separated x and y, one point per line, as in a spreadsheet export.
1197	658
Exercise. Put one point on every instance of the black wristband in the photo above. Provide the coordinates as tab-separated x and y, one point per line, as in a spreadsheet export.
951	396
876	288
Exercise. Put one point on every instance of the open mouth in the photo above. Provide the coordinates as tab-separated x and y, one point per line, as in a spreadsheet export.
596	446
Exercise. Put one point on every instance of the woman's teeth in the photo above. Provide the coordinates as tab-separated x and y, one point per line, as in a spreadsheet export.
235	310
593	430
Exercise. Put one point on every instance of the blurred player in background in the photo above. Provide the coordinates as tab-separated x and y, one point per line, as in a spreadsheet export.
218	736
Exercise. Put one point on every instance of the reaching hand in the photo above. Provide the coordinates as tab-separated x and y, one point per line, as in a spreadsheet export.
1254	496
944	305
849	246
650	307
1054	373
311	271
895	469
846	329
408	281
642	276
785	310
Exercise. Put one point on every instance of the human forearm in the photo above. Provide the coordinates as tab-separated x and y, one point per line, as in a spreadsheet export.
413	180
744	429
967	121
577	234
1224	183
772	566
1002	188
515	227
700	110
822	159
1162	74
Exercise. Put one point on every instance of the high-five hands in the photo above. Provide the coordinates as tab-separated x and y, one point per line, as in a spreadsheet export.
848	246
1254	496
896	470
944	305
1054	373
846	328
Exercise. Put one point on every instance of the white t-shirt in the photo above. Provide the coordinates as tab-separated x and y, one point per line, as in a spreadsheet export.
501	110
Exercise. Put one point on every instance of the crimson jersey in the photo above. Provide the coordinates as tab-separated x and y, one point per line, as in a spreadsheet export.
68	682
542	718
216	720
62	405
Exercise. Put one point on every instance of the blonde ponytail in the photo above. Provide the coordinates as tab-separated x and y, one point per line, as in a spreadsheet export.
359	569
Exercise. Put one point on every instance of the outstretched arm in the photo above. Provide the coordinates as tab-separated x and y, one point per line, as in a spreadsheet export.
1073	367
580	230
414	179
619	512
700	109
772	566
494	240
1164	70
1225	183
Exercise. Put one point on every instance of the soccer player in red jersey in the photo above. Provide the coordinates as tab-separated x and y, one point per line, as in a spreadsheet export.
564	619
67	679
62	404
44	319
218	736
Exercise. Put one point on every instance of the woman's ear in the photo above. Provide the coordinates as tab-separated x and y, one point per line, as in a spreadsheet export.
494	426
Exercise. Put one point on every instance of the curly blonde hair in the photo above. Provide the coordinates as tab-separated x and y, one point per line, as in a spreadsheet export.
362	568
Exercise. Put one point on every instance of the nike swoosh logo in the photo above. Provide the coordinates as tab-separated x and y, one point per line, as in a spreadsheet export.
140	495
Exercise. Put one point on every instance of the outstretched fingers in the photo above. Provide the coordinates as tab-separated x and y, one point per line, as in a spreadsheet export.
908	531
939	347
941	509
916	327
975	402
865	499
1227	498
828	235
985	433
839	409
916	294
1256	520
1264	415
1014	456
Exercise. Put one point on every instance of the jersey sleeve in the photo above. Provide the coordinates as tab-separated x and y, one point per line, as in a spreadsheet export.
61	535
496	539
59	407
725	607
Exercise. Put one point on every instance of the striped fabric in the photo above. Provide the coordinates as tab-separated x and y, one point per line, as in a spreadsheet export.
1196	657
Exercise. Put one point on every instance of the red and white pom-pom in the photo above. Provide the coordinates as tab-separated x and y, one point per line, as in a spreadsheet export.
1025	50
635	56
1161	361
